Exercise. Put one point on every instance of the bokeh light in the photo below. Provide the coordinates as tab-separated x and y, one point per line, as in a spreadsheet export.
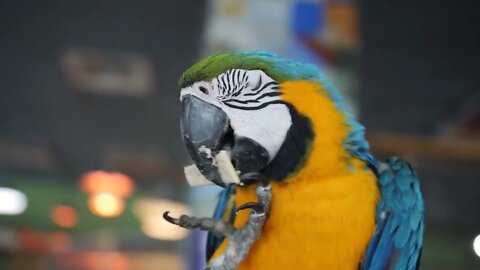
158	228
476	245
106	205
150	211
64	216
118	184
12	201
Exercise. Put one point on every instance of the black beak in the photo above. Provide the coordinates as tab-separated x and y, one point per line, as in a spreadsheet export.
203	127
206	130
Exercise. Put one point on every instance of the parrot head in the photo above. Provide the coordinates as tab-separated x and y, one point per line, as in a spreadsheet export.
250	104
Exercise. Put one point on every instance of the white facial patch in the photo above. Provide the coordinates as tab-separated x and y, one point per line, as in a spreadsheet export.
267	126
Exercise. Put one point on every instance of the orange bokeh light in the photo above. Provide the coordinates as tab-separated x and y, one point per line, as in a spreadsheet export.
106	205
118	184
64	216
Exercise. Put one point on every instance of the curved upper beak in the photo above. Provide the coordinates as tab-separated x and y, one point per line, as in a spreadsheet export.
205	130
203	127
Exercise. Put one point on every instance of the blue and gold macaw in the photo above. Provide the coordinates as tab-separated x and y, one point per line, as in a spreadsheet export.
332	204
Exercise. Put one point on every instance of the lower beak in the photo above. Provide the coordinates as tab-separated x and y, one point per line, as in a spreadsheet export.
203	128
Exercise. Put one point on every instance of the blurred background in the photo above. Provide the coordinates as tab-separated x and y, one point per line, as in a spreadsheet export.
90	149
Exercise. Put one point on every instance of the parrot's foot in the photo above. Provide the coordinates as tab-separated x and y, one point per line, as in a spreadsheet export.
206	224
240	242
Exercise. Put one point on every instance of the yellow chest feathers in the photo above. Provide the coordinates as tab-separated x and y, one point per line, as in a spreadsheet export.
315	225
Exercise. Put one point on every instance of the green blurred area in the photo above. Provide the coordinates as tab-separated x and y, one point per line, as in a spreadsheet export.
43	193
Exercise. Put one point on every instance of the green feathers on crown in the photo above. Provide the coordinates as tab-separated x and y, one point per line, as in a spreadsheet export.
275	66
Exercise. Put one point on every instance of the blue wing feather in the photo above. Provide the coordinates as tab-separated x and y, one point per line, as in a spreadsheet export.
397	242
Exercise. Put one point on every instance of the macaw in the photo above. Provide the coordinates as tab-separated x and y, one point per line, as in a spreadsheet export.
322	200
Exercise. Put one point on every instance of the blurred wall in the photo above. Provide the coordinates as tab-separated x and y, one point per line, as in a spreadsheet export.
39	107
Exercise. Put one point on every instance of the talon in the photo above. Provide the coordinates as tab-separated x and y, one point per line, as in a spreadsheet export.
170	219
256	207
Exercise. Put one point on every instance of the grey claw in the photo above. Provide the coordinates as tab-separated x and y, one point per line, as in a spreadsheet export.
170	219
256	207
206	224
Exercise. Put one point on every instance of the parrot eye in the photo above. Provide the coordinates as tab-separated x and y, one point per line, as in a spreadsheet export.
203	90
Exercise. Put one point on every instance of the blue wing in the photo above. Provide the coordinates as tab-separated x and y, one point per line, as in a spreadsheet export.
397	242
225	209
